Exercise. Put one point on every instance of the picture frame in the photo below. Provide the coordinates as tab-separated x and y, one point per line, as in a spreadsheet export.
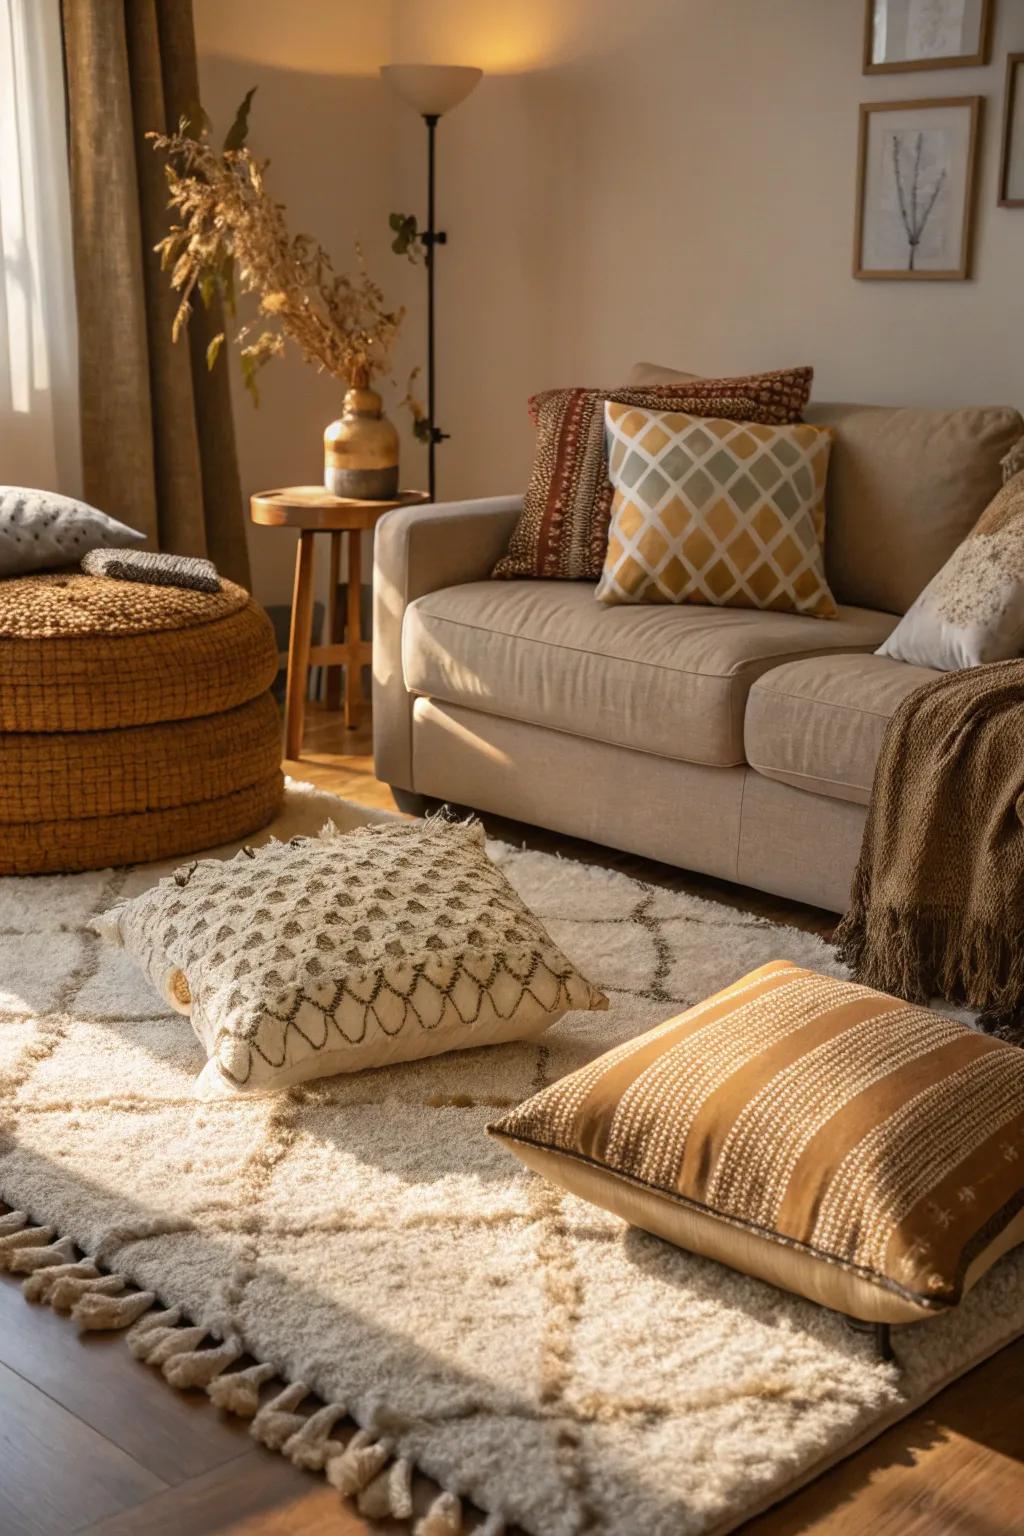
901	36
1011	158
916	181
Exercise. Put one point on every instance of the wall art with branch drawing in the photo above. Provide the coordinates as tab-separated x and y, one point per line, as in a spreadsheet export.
915	188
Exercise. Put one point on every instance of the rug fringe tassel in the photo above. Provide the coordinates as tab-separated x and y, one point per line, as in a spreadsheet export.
311	1446
41	1282
22	1237
238	1392
24	1261
66	1292
390	1493
151	1328
172	1341
365	1468
197	1368
277	1420
443	1518
98	1311
358	1464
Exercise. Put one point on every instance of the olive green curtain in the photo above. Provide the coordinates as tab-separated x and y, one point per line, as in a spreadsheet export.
158	446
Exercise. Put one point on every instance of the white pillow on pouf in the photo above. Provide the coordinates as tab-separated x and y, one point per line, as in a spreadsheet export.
41	529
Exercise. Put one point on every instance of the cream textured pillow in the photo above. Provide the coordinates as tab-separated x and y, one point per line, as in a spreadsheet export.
713	511
336	953
972	612
39	529
839	1143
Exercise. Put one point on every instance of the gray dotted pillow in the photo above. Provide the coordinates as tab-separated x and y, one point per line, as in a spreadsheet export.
41	529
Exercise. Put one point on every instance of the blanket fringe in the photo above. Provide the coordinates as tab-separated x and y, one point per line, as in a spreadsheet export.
919	954
364	1467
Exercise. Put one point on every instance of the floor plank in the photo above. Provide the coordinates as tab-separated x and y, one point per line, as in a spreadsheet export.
259	1494
56	1473
955	1467
97	1378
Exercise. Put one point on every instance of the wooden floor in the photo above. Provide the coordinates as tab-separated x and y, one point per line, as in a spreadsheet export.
92	1441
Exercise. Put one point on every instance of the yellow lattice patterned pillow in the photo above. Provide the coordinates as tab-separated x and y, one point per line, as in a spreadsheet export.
720	512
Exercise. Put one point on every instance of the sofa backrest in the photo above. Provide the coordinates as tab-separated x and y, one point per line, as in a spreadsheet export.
904	487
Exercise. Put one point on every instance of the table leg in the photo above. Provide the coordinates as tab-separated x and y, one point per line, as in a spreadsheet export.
353	632
299	644
332	691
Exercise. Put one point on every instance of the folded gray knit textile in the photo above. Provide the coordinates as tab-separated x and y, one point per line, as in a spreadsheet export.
159	570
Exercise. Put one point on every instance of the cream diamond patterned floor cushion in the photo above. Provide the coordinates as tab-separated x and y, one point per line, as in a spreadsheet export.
727	513
342	952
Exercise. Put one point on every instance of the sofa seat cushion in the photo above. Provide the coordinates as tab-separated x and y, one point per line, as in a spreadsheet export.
663	679
818	724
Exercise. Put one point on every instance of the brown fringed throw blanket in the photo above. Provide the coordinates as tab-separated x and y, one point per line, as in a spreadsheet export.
937	906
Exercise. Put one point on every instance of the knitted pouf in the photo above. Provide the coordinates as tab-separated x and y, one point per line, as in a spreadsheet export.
135	721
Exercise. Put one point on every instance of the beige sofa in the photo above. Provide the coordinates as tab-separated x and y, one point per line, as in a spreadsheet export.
734	742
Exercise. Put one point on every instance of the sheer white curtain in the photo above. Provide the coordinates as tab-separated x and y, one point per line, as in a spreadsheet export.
39	441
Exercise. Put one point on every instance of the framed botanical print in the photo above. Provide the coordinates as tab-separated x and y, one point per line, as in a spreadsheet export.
1011	161
925	34
916	164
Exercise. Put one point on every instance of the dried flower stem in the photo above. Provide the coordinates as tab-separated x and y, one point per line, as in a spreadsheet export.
229	231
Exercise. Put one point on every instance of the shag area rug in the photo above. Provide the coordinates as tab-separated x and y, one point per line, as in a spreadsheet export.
363	1237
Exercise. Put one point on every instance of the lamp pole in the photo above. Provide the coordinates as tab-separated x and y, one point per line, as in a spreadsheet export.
432	89
431	238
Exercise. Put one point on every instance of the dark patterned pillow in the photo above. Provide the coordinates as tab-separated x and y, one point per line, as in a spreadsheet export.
341	952
563	528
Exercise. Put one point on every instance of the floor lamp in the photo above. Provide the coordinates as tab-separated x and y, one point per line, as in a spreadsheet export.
432	89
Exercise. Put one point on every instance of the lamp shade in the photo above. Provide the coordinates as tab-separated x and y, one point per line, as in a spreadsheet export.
431	88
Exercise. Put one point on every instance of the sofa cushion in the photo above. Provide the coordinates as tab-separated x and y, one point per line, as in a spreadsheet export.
904	487
670	680
818	724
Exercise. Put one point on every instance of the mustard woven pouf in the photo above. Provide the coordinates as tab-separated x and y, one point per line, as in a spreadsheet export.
135	721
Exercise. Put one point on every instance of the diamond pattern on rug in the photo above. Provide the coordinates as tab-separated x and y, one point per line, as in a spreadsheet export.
362	1234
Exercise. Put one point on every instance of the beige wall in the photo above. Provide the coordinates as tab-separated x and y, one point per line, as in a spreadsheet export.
321	116
671	179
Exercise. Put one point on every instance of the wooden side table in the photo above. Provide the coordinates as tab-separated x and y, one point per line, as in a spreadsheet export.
313	510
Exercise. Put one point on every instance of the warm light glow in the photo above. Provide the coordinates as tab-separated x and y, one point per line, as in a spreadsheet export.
432	89
501	38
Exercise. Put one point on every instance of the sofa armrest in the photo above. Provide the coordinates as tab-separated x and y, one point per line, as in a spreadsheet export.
419	550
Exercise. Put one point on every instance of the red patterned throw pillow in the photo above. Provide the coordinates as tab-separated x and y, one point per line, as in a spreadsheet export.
562	532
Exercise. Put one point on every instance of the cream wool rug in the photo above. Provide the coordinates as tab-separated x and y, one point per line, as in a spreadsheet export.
364	1236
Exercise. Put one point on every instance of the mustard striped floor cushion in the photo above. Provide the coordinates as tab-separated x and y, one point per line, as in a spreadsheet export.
839	1143
135	721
